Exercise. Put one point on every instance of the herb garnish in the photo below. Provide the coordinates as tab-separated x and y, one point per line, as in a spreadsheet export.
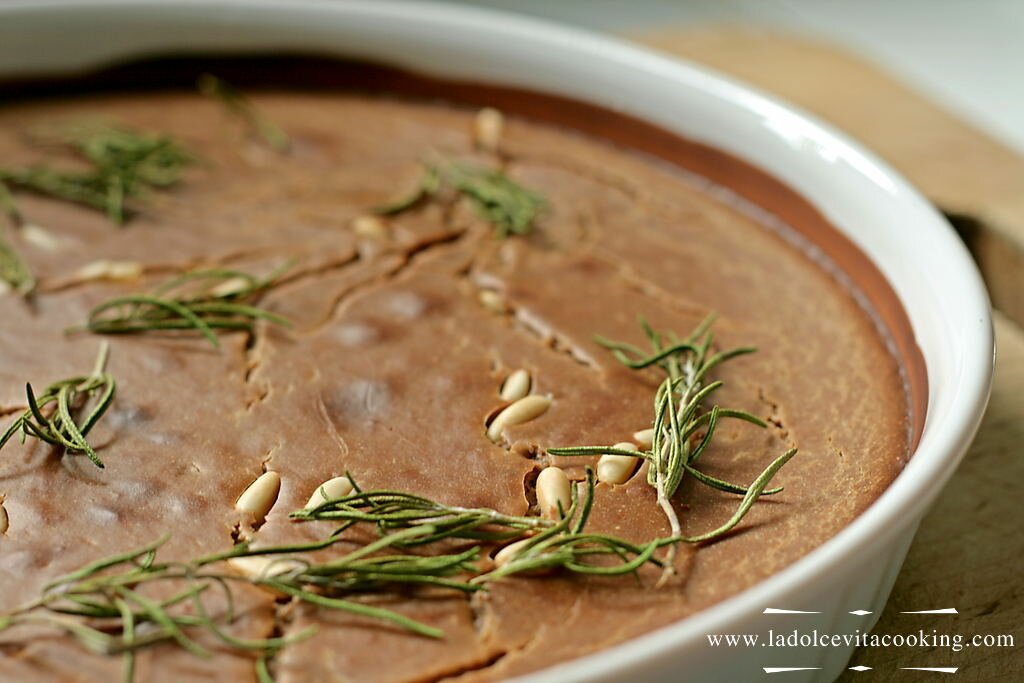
104	605
506	205
239	105
126	164
562	544
200	300
679	414
391	510
57	425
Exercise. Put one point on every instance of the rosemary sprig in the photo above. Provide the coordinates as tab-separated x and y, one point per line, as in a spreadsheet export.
200	300
392	510
561	544
239	105
506	205
50	416
125	164
105	607
679	414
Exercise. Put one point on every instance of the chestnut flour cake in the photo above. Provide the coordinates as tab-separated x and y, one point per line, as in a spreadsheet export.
350	384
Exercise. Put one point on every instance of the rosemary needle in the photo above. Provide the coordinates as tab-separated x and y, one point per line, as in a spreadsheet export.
679	415
199	300
509	207
50	416
239	105
14	272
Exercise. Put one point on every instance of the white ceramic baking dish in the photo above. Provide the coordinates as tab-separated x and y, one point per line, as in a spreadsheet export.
914	248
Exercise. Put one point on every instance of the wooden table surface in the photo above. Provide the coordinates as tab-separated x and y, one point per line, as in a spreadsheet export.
969	551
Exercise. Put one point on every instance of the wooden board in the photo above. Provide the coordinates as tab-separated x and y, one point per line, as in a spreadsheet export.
976	180
969	551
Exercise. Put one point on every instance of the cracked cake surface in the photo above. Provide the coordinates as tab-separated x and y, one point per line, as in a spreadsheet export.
392	364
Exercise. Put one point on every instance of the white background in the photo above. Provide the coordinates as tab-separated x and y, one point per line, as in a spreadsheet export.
965	54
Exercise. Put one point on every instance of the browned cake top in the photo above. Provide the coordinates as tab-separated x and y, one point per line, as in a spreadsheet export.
393	363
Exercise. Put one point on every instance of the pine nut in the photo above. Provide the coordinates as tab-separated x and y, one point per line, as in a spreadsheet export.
492	301
369	226
617	469
487	128
525	409
109	270
644	438
230	287
263	567
516	385
509	552
554	491
260	496
40	237
339	487
5	521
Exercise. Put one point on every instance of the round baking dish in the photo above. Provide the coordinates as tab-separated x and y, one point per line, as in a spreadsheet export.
906	239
